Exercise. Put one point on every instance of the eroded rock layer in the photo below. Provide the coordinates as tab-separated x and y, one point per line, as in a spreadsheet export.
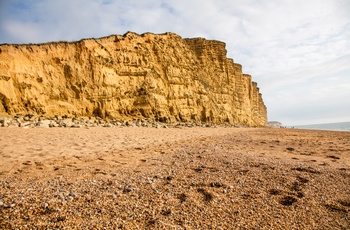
130	76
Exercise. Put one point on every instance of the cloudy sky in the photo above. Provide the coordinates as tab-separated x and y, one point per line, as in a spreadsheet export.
298	51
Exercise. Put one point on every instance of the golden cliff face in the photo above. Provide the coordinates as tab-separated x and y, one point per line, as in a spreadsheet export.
162	77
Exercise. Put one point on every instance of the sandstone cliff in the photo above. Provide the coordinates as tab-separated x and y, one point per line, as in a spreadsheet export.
130	76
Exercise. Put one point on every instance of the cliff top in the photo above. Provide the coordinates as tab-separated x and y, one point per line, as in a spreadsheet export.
127	34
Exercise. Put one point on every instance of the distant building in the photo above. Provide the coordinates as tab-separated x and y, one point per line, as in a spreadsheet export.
274	124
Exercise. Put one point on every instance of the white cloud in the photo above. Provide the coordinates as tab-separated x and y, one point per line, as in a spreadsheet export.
298	51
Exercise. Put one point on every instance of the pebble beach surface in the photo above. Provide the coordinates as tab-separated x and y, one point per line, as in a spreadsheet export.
174	178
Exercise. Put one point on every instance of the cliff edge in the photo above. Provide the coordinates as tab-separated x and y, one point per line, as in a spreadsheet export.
131	76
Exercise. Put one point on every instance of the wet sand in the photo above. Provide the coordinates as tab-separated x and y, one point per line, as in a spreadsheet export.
176	178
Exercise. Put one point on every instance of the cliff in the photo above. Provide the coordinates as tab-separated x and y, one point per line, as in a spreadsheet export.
162	77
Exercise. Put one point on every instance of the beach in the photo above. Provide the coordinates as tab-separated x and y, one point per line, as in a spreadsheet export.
174	178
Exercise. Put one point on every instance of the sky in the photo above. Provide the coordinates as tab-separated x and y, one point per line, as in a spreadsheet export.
297	51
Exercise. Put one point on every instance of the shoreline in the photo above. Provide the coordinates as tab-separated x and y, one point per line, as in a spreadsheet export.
339	126
176	178
317	129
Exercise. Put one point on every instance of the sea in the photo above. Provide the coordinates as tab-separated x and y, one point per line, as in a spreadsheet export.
341	126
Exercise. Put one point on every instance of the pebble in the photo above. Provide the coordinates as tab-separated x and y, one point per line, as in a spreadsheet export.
72	194
127	190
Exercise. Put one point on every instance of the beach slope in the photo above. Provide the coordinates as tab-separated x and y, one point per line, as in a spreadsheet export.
176	178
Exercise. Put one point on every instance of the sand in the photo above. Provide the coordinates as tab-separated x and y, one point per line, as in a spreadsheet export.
176	178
